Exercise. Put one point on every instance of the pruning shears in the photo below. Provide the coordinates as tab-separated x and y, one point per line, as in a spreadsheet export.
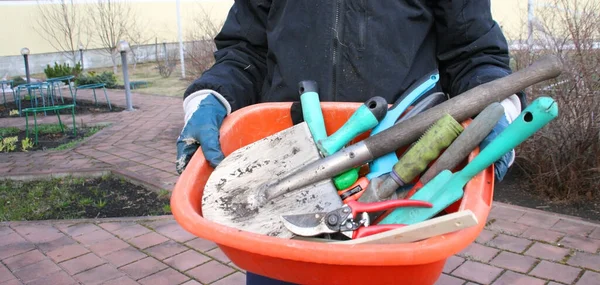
352	219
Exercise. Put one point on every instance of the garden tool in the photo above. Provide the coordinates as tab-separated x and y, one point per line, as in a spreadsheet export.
413	93
437	138
285	174
362	182
311	109
271	157
447	187
351	219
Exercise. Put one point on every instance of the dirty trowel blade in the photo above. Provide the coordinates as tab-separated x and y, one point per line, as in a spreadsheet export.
244	171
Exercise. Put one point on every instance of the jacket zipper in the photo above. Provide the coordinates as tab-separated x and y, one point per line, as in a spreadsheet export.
335	47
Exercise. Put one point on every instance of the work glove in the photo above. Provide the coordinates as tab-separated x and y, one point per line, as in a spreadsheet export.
512	109
205	111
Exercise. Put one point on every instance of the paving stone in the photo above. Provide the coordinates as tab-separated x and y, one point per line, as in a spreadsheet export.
67	252
538	220
449	280
555	271
515	262
12	282
105	247
124	256
546	251
452	263
82	263
539	234
595	234
131	231
580	243
201	244
5	231
510	243
114	226
478	252
147	240
485	236
167	277
585	260
512	278
573	228
210	271
166	249
15	249
507	214
192	282
510	228
233	279
24	259
143	267
59	277
174	231
38	233
478	272
589	278
218	254
121	281
11	238
79	229
5	274
99	274
37	270
94	237
186	260
55	244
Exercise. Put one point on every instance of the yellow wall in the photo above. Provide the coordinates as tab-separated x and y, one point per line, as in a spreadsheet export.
159	18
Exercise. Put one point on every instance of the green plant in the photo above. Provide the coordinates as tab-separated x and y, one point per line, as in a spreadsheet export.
18	80
62	70
106	77
26	144
8	144
13	113
8	131
167	209
85	201
100	204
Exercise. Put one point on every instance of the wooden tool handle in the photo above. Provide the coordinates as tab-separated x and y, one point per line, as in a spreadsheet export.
468	140
463	106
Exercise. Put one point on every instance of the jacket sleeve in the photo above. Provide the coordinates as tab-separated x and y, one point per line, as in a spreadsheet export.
240	59
471	47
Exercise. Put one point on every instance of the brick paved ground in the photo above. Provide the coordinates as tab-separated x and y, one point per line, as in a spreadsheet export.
518	245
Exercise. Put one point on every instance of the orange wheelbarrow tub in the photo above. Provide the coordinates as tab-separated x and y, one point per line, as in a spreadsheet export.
307	262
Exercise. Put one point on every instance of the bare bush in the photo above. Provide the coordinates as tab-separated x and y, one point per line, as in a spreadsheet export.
200	48
168	63
562	161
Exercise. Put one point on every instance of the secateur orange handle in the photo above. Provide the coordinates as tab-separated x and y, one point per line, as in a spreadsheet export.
354	192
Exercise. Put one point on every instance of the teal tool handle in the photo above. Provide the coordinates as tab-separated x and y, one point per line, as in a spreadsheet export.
364	118
534	117
446	188
414	92
311	109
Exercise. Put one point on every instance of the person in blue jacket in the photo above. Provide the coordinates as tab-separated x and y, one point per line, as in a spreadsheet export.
354	50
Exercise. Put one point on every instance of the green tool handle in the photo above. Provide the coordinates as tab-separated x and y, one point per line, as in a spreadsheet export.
534	117
364	118
311	109
468	140
438	137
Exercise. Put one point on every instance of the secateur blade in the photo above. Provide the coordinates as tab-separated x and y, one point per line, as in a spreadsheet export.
245	171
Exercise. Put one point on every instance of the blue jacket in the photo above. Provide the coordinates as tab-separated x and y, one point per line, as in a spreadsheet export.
354	49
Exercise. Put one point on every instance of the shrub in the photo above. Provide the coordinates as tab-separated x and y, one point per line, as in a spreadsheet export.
60	70
562	161
91	77
18	80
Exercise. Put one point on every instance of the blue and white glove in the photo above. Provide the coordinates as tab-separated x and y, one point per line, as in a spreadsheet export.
204	114
512	109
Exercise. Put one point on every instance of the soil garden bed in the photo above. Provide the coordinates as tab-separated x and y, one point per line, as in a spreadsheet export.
511	191
50	137
81	107
78	197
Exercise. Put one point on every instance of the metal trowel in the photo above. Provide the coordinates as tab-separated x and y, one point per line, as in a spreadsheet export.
235	179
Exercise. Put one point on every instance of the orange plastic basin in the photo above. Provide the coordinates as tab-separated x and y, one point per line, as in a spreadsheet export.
305	262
